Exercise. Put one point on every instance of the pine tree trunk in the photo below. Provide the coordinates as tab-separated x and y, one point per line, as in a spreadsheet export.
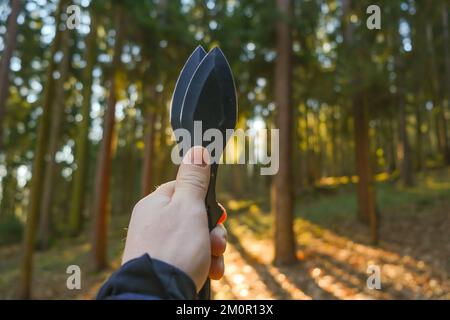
365	189
9	191
50	167
100	210
419	138
310	178
147	182
334	148
404	147
10	45
404	150
419	87
129	166
38	167
392	159
282	205
81	144
162	163
446	36
440	121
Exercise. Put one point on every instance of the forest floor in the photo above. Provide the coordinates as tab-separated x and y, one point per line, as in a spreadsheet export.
333	249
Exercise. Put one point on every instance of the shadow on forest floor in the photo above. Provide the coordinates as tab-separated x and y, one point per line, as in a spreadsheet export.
334	253
333	250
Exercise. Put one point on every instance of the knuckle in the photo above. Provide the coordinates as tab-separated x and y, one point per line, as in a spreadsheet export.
192	179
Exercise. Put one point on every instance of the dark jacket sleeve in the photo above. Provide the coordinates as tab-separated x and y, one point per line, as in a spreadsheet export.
145	278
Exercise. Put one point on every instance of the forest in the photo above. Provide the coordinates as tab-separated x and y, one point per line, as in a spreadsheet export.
364	141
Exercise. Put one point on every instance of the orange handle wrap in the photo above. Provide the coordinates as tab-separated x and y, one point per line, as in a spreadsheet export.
223	217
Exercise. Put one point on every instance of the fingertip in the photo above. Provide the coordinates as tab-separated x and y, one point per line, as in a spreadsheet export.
197	156
220	231
217	269
218	238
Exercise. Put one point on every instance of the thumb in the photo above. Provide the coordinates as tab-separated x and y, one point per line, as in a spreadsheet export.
193	174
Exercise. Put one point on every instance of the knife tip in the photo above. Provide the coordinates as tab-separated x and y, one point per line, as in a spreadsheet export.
200	50
217	53
216	49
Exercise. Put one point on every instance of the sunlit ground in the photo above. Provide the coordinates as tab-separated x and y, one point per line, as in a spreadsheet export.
333	250
330	267
413	255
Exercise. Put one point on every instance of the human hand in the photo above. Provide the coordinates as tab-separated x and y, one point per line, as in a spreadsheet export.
171	224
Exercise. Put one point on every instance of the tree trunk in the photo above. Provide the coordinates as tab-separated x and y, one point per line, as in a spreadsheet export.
441	125
365	189
163	164
446	27
81	145
38	167
129	165
392	159
310	166
419	138
419	65
282	200
147	166
10	45
334	147
50	166
404	150
100	210
9	191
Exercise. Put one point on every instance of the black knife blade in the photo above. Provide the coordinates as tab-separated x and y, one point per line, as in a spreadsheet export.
182	84
211	99
205	92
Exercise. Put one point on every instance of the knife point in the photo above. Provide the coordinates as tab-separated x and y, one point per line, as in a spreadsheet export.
216	50
200	50
215	56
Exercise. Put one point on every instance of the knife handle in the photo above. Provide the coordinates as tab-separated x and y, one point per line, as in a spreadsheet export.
216	213
213	209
